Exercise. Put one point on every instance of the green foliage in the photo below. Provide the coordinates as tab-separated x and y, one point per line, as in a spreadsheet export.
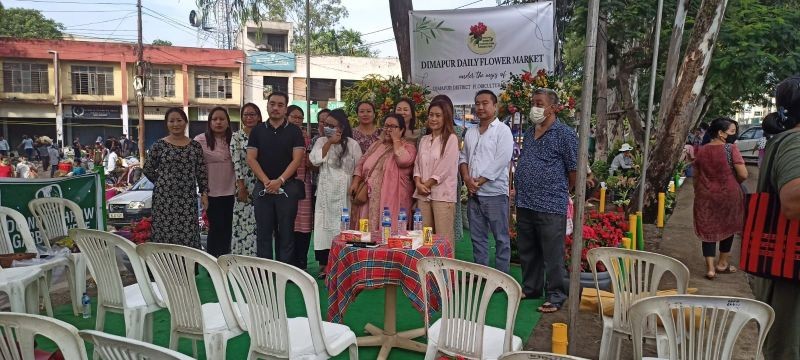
29	24
159	42
342	42
384	94
600	170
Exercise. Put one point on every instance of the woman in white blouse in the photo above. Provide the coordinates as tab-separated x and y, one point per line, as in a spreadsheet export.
336	155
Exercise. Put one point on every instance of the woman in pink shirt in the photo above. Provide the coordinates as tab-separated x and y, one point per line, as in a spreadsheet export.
436	171
221	180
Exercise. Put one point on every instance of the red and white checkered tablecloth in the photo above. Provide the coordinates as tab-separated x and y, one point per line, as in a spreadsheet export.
353	269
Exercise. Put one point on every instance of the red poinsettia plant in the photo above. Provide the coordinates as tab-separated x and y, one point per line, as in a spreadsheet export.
600	230
142	230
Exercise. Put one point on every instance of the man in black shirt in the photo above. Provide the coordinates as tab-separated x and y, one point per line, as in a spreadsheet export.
274	151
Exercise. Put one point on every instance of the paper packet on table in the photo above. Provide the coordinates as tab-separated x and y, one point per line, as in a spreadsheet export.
355	236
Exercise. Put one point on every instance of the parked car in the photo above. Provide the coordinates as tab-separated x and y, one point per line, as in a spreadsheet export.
132	204
748	142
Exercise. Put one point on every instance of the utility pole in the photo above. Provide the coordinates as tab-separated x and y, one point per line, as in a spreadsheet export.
138	83
308	66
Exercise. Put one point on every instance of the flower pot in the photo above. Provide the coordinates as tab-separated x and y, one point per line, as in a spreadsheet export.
587	281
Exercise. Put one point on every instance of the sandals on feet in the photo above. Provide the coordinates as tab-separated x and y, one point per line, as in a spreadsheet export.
727	270
711	276
548	308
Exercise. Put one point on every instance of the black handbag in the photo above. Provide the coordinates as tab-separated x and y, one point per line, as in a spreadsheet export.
295	189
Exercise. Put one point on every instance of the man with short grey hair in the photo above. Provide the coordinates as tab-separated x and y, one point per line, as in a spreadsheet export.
545	174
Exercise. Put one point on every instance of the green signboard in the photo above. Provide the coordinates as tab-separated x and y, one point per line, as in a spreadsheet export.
83	190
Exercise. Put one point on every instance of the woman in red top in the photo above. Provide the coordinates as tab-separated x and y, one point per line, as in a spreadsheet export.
6	169
718	197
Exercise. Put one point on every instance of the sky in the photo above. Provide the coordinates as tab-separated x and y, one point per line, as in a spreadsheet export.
169	19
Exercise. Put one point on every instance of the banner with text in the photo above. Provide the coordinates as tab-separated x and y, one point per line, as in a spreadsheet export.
83	190
459	52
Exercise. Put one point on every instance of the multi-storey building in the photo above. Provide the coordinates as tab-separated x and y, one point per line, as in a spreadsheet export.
78	89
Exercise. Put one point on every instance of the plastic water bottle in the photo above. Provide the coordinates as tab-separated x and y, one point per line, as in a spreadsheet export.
386	225
345	219
87	306
418	219
402	221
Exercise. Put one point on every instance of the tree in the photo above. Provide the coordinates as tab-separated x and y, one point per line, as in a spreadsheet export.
342	42
159	42
28	23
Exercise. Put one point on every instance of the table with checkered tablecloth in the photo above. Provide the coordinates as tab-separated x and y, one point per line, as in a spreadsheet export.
352	269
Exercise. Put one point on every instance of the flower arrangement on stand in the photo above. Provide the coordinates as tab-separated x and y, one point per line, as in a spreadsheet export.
384	93
600	230
142	230
516	93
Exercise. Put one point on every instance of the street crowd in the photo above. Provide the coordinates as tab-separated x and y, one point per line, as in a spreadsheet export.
269	185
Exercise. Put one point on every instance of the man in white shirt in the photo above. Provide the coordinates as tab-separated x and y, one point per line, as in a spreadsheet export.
4	147
111	161
623	161
484	165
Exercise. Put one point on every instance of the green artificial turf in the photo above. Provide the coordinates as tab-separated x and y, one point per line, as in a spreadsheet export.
368	308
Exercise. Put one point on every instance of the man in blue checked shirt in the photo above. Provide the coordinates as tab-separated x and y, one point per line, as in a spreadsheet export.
484	165
545	174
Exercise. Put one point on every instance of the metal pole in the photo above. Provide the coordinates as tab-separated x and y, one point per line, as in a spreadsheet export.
648	125
139	82
583	163
308	66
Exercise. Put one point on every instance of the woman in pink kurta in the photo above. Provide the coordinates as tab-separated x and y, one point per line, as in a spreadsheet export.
718	197
436	171
386	167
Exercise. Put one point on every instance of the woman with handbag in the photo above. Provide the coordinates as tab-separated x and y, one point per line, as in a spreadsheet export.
719	200
382	178
336	155
780	178
305	209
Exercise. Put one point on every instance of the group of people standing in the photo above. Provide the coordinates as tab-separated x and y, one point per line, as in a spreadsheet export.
267	187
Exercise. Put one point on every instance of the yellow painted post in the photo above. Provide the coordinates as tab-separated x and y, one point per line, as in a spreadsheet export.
559	340
661	205
672	186
626	242
632	221
602	200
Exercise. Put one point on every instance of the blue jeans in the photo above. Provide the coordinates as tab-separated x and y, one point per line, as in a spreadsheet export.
490	213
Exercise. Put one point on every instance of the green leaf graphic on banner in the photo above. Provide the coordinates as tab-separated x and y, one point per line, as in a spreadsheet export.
427	28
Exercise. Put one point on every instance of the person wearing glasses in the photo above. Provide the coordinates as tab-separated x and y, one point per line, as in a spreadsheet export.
243	239
386	171
275	150
176	166
305	209
336	154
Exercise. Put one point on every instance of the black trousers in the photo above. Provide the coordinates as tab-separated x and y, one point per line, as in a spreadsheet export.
322	256
710	248
540	241
220	224
301	243
275	214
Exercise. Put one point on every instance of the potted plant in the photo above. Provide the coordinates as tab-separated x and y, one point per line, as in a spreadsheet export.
600	230
621	187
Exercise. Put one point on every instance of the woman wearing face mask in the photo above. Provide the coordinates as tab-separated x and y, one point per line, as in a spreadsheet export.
336	155
405	108
718	197
305	210
176	167
216	151
386	168
367	132
243	240
436	171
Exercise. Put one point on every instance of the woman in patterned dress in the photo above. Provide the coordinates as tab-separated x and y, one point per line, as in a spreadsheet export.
336	154
243	241
176	166
305	210
367	131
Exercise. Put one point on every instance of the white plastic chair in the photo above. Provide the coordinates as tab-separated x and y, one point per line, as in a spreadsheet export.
173	267
22	285
6	247
51	220
466	289
112	347
634	275
262	285
537	355
17	333
137	302
700	327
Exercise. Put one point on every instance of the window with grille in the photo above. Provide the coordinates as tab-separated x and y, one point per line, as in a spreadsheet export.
161	83
92	80
275	83
213	85
276	42
25	78
323	89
